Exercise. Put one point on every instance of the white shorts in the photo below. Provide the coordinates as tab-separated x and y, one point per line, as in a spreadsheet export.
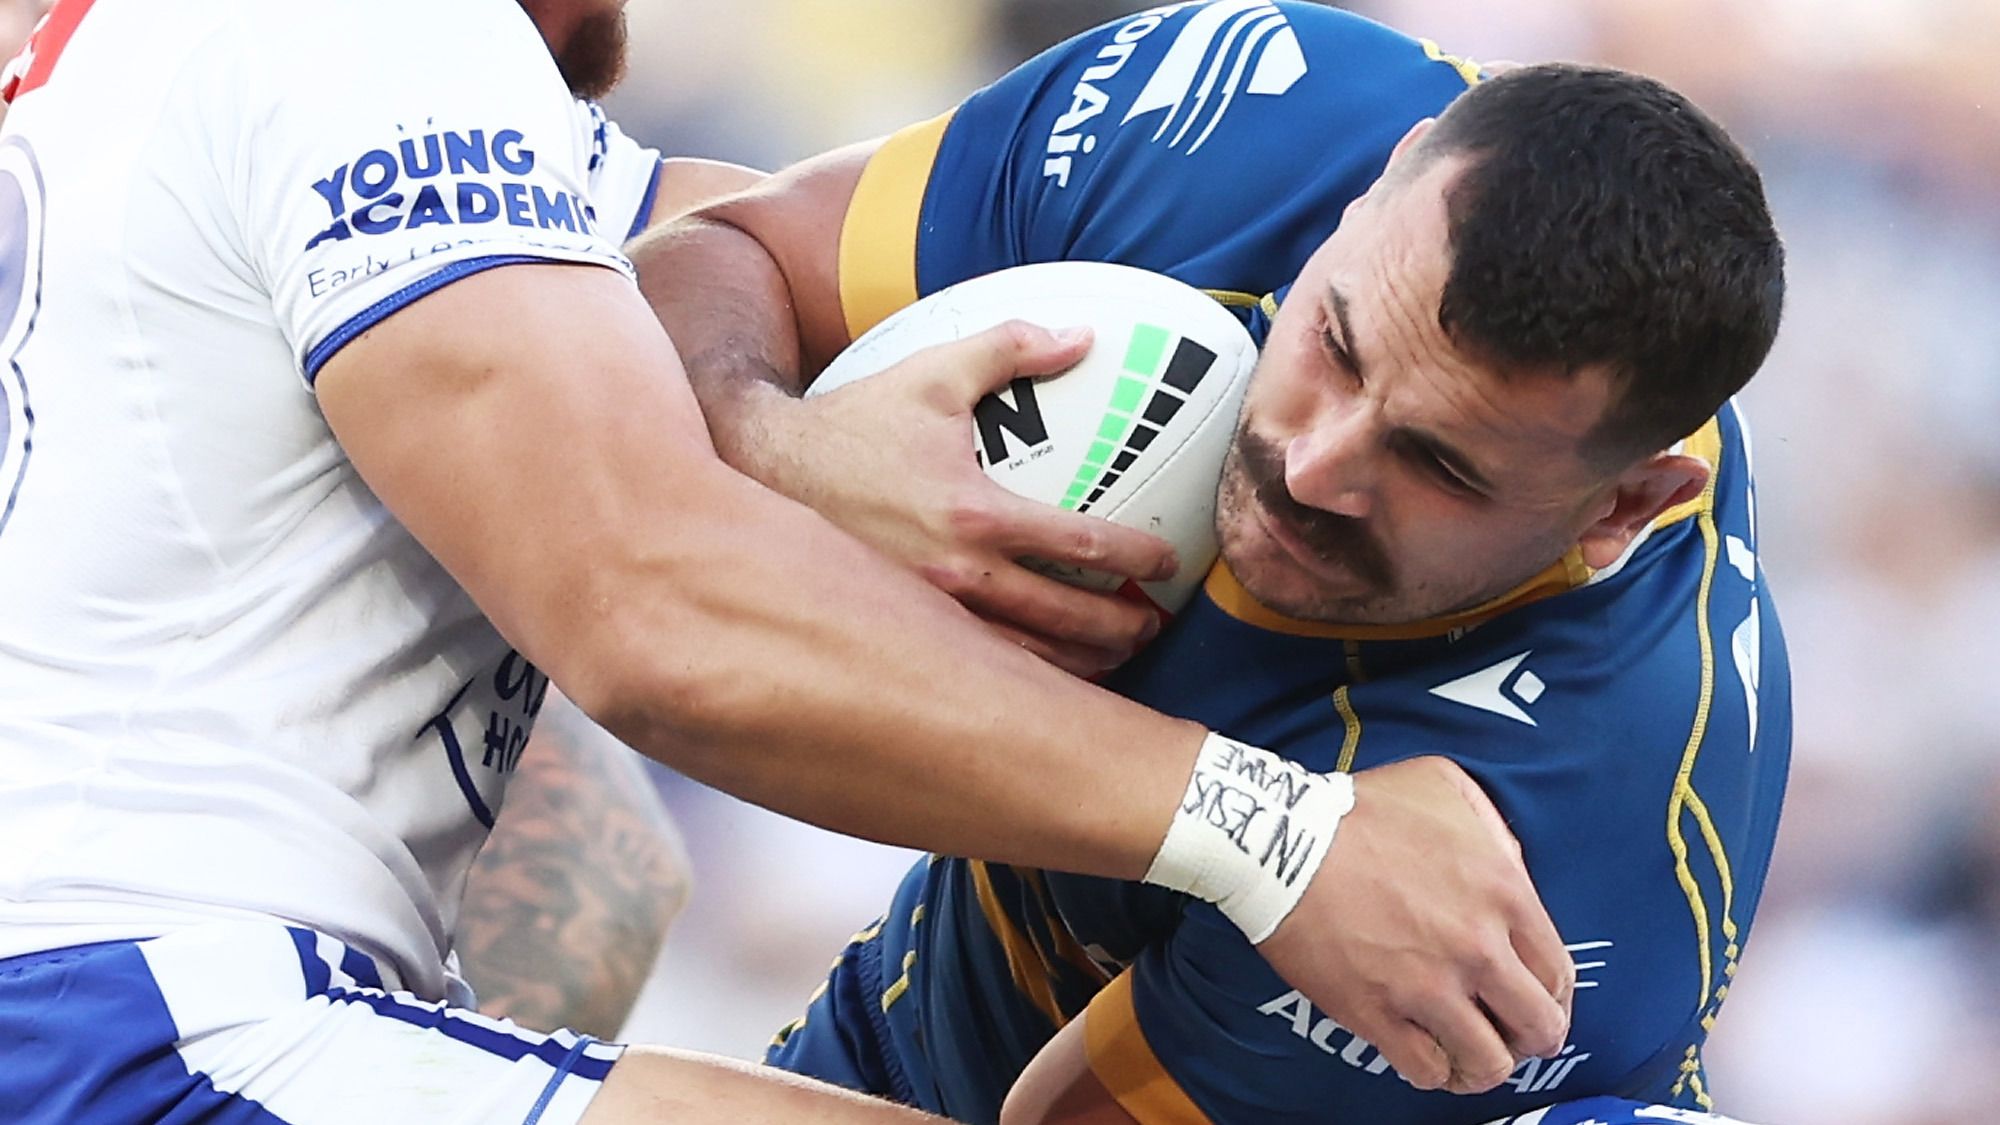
262	1024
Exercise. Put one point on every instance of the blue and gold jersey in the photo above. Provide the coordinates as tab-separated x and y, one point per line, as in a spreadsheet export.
1632	724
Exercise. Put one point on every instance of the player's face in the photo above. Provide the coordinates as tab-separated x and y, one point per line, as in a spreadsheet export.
1380	475
587	38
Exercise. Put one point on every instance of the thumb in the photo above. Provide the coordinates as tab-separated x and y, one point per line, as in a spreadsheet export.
958	374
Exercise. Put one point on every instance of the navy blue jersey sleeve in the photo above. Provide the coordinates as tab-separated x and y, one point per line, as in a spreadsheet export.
1633	732
1217	143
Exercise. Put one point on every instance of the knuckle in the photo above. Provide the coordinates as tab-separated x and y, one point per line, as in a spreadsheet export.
1128	621
1015	335
1489	958
1565	975
1418	993
1087	546
972	518
1546	1038
1057	619
1426	1073
1489	1073
954	574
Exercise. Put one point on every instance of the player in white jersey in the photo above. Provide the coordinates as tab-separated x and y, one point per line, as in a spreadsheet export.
323	369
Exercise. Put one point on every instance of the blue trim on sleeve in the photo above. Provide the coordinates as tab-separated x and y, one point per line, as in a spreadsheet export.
645	215
563	1070
374	314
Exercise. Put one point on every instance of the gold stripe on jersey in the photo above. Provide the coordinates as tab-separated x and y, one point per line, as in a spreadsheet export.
1701	1095
895	991
1122	1059
1704	444
1235	298
878	239
1685	801
1690	1068
792	1028
1466	68
1350	742
1024	960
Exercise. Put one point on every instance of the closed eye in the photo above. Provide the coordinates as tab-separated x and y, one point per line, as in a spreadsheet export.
1426	458
1338	354
1444	475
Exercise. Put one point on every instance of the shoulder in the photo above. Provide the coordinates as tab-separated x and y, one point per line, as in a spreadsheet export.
1189	76
1213	142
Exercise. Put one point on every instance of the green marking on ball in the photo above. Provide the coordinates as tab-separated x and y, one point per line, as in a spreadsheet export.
1149	343
1143	354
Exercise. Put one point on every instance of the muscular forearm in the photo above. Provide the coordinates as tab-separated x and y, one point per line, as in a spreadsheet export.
708	621
727	306
569	901
984	717
722	628
810	675
749	289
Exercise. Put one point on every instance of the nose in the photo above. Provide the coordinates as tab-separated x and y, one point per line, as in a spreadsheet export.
1331	466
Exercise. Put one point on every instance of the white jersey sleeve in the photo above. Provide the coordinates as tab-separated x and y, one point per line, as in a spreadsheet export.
230	682
363	191
624	174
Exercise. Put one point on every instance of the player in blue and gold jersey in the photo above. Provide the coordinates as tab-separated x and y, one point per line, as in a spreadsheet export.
1489	499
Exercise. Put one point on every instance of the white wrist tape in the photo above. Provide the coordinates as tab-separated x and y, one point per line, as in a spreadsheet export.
1250	833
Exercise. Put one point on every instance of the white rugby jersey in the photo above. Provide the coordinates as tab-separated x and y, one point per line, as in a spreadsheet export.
230	683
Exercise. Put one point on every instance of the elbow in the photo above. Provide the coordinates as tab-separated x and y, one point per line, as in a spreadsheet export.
666	701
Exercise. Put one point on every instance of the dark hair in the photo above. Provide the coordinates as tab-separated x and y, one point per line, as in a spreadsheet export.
1604	221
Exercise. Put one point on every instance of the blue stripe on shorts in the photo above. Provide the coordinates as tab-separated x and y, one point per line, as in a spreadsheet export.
87	1036
89	1042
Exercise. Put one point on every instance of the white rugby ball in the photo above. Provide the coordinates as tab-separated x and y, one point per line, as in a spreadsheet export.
1134	433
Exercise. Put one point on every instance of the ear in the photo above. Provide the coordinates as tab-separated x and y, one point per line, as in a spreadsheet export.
1409	141
1641	493
1411	138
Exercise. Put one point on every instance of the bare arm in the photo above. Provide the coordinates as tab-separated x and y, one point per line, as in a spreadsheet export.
749	289
1439	937
1060	1088
557	465
569	901
686	183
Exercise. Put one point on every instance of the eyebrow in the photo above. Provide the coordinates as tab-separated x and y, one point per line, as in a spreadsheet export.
1429	443
1346	340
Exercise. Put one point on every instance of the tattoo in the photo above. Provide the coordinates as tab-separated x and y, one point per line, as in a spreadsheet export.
568	903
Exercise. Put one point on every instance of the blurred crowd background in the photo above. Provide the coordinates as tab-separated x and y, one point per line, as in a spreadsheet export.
1870	993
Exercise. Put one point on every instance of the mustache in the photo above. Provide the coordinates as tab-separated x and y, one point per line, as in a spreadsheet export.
1331	537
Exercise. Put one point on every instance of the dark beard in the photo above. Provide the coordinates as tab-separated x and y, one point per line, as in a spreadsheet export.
1333	538
592	61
